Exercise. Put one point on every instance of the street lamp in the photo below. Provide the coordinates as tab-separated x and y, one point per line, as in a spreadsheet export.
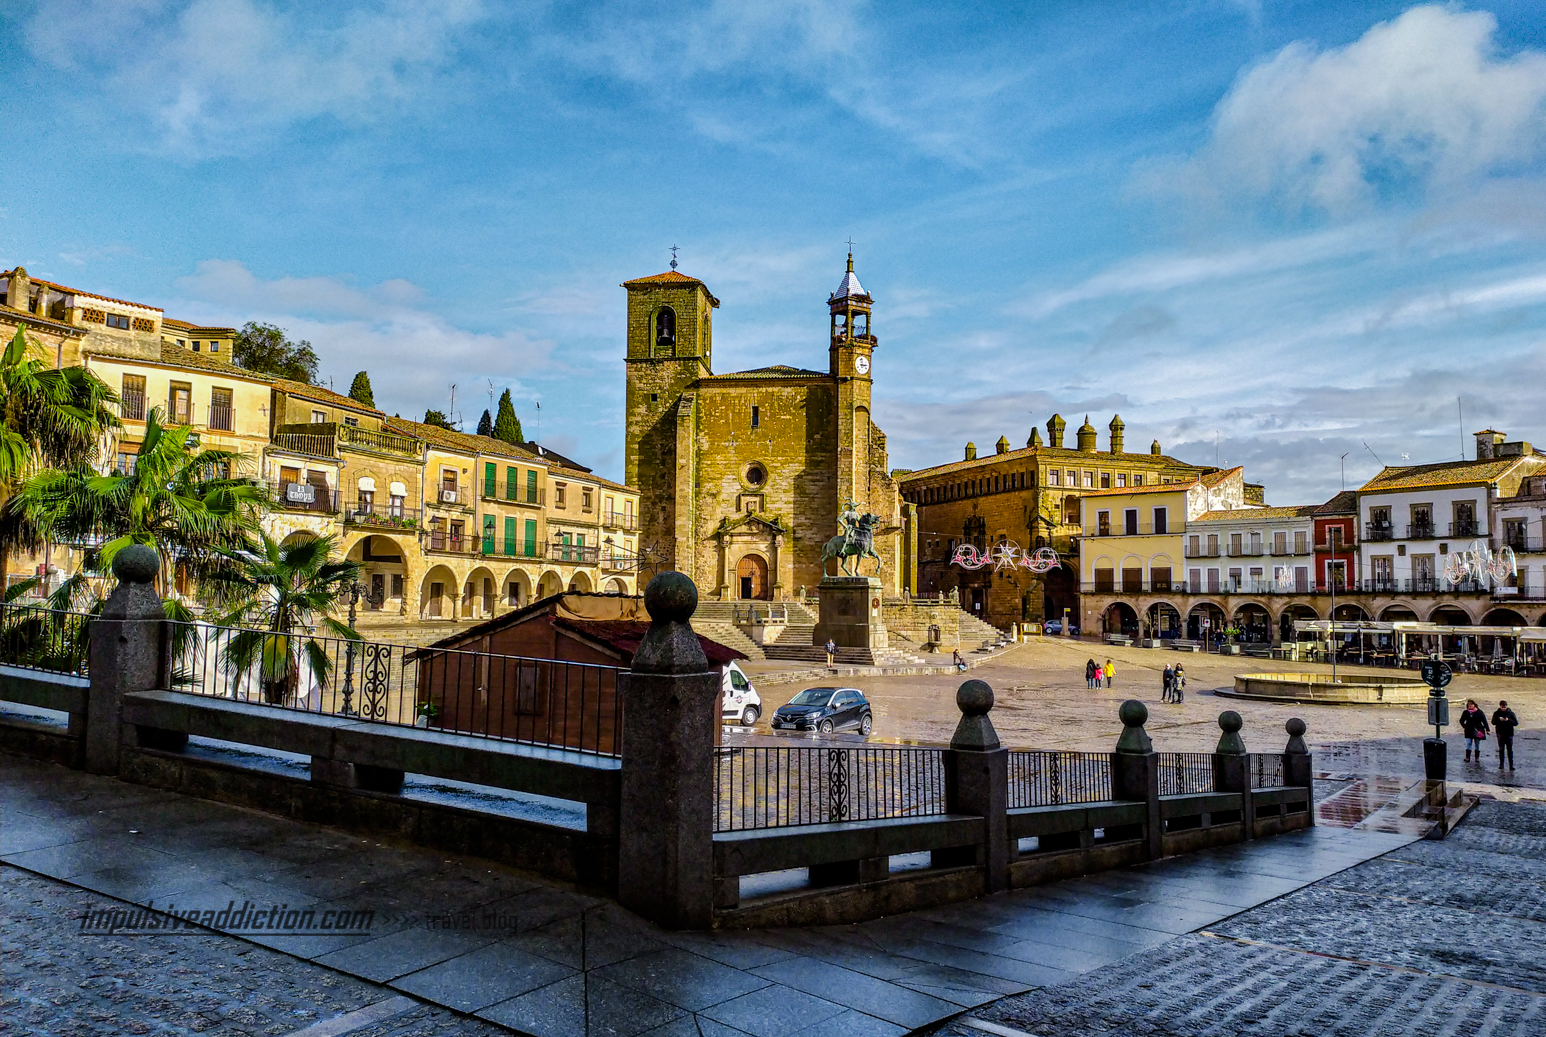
356	590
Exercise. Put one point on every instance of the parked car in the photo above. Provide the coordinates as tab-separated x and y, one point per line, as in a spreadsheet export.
825	710
739	702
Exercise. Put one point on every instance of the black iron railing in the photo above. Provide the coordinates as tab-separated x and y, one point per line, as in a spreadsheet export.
1266	770
1182	774
533	701
777	787
39	638
1044	779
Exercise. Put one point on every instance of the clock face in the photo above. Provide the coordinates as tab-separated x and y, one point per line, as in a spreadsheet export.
862	364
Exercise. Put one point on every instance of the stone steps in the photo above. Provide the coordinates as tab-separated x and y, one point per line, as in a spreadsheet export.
728	635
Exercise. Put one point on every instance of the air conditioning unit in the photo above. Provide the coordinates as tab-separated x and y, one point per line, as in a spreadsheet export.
448	496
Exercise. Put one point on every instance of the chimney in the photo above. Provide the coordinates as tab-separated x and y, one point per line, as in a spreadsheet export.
1116	427
21	287
1487	442
971	451
1154	448
1055	427
1002	446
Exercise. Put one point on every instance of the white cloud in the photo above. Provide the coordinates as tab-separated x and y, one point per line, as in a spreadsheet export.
207	75
412	352
1422	101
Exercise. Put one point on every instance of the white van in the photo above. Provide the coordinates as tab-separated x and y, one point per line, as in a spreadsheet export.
739	702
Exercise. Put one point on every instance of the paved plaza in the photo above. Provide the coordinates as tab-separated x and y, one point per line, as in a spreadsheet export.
1042	703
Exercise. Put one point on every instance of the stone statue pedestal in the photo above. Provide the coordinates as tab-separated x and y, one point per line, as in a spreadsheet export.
850	612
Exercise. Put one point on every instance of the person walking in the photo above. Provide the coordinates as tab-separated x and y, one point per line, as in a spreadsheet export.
1474	723
1504	720
1178	684
1110	671
1090	670
1167	682
831	652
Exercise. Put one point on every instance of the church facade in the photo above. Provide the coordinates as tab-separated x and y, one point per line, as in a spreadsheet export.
742	476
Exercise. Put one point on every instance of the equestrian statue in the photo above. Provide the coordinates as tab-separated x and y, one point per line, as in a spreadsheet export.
857	541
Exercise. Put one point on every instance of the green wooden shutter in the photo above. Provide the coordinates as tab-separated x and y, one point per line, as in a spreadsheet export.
531	538
512	478
531	488
489	468
509	535
488	534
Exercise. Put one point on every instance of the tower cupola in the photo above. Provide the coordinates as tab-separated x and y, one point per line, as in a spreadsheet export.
1055	427
1087	437
1116	428
850	308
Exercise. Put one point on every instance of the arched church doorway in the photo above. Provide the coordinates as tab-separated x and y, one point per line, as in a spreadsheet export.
751	575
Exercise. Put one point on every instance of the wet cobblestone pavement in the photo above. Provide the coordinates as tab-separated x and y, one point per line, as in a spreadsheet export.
1434	938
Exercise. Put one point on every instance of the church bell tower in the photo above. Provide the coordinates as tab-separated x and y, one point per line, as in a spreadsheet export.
851	353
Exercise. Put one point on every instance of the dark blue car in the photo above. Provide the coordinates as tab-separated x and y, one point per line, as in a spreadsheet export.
825	710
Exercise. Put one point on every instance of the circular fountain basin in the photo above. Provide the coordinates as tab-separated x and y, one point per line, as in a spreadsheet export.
1319	687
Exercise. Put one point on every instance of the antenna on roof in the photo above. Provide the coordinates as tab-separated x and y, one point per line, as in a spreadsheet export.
1372	454
1461	408
1344	471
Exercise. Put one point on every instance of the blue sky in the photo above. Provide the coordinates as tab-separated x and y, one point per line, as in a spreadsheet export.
1271	233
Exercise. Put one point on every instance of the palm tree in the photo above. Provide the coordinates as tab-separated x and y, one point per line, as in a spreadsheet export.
48	417
274	588
182	500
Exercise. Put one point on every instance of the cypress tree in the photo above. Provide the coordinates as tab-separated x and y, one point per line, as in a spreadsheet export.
485	425
359	390
507	426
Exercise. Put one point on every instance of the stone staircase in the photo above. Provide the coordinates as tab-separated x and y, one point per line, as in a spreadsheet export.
986	635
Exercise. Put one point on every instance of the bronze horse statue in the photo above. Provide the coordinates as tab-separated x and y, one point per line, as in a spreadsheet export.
860	545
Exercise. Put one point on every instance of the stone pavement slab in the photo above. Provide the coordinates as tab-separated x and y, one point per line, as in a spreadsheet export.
477	938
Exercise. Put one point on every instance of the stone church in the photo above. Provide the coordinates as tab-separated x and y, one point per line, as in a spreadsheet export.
742	476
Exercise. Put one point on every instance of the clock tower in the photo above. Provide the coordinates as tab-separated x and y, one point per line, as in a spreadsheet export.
851	354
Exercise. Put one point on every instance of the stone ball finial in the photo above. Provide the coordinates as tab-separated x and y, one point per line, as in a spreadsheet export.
1295	727
1230	721
671	597
136	564
1230	742
974	698
1135	739
1133	713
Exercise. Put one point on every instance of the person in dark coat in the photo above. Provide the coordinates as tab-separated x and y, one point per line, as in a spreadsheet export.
1091	668
1167	681
1178	684
1474	723
1504	721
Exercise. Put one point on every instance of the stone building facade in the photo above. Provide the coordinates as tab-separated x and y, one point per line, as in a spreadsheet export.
742	476
1029	496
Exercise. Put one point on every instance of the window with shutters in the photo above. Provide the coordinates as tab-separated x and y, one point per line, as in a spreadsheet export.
509	535
530	540
512	483
490	479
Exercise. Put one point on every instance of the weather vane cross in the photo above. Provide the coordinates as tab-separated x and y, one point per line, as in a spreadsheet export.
850	244
673	257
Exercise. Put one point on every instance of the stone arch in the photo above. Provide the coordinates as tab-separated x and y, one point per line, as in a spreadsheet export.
299	536
617	585
1503	617
480	593
1399	612
439	593
550	584
1450	614
751	578
1291	614
1204	609
663	331
1350	613
580	582
386	568
1254	621
516	588
1163	620
1119	618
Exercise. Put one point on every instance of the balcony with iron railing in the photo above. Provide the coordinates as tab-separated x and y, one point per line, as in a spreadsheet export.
454	543
1466	528
356	438
389	516
620	520
308	444
1379	531
131	405
618	562
304	496
1275	588
1201	550
221	418
1520	543
574	554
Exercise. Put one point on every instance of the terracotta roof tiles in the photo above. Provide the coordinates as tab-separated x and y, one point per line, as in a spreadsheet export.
1444	473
